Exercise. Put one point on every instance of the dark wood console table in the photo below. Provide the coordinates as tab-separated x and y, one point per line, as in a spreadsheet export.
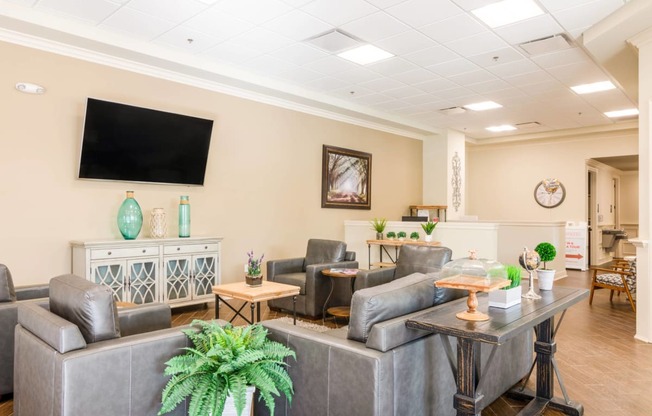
503	325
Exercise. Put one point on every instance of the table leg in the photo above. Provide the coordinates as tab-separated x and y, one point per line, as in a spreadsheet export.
369	255
217	307
465	400
253	306
258	311
323	309
294	309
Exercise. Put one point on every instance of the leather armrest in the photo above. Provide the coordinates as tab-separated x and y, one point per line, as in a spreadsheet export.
144	318
55	331
33	292
370	278
283	266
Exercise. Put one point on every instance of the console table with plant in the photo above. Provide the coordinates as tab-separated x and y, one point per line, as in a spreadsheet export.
383	244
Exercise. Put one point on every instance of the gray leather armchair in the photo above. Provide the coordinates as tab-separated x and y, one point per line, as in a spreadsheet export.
80	355
305	272
10	298
411	259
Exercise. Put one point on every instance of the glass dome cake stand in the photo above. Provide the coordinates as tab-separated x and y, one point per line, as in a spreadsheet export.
474	275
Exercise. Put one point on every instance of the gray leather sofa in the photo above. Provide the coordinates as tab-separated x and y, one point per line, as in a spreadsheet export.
305	272
10	298
377	366
411	259
79	355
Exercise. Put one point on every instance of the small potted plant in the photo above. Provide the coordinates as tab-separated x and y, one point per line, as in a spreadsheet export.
546	252
401	235
254	276
429	227
391	235
378	225
510	295
223	367
414	236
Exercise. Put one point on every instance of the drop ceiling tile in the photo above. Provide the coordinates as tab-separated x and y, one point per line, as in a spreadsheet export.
297	3
586	14
472	77
546	87
504	96
489	86
455	94
514	68
268	65
555	5
254	11
421	99
331	65
325	84
339	12
357	75
172	10
375	26
232	53
383	4
371	99
432	56
415	76
456	27
391	105
217	24
476	44
28	3
578	73
406	43
496	57
130	22
403	92
262	40
435	85
418	13
531	29
564	57
299	53
92	11
454	67
608	100
392	66
469	5
299	75
351	91
187	40
382	84
529	78
298	25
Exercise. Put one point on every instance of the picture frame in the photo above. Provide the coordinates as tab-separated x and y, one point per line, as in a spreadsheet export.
346	178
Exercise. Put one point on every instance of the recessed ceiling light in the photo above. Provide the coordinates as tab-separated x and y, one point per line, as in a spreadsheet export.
485	105
365	54
622	113
502	127
594	87
28	88
507	11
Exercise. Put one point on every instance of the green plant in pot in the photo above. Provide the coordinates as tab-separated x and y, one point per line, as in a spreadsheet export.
508	296
391	235
429	227
401	235
223	362
546	252
378	225
414	235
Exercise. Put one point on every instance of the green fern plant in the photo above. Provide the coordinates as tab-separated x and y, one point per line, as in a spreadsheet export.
223	362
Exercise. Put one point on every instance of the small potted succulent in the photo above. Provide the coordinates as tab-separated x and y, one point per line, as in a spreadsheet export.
401	235
414	236
510	295
546	252
391	235
429	227
378	225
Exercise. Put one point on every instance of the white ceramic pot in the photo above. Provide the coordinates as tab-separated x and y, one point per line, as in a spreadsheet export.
229	406
428	238
505	298
546	278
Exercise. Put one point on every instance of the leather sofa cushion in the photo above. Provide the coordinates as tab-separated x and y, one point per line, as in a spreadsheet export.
295	279
390	300
324	251
88	305
7	291
421	259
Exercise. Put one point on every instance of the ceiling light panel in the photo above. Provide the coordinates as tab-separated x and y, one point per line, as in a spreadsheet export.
366	54
622	113
593	87
483	106
507	11
501	128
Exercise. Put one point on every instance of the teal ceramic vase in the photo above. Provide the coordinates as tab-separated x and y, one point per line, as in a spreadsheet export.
184	217
130	217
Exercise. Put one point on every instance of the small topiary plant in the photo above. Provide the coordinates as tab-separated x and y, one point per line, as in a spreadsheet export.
414	235
401	234
391	234
546	252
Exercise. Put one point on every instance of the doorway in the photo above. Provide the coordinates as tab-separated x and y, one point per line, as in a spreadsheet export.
592	213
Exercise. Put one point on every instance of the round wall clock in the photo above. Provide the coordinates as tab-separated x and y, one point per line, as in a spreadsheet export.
549	193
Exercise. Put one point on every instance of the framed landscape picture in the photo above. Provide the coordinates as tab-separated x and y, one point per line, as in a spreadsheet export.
346	178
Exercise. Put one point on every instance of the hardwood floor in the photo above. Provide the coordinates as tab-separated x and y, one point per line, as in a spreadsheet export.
602	365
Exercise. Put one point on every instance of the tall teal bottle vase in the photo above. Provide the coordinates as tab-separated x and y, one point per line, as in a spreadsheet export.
130	217
184	217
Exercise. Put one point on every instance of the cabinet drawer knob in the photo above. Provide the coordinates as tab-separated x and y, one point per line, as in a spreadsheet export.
205	247
109	253
144	251
178	248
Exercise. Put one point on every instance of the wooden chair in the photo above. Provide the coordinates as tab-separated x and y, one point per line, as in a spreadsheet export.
620	278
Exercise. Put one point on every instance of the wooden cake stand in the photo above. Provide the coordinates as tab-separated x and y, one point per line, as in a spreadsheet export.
473	284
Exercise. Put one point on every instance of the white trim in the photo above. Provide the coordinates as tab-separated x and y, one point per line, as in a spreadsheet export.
639	243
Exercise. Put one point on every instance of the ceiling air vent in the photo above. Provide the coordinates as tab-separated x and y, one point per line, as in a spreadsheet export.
528	125
549	44
334	41
450	111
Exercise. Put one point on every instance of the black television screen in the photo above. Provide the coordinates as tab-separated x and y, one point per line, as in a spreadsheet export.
127	143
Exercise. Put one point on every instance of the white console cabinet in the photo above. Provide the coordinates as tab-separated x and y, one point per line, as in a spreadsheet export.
178	271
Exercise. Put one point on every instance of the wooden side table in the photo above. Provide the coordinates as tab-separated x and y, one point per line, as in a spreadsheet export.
338	311
254	295
383	244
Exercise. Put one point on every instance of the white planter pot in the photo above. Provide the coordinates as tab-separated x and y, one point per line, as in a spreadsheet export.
546	277
229	406
505	298
428	237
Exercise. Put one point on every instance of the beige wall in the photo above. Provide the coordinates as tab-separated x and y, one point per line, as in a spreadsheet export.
501	177
629	198
263	183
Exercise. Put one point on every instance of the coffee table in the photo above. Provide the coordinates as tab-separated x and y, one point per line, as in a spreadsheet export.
338	311
254	295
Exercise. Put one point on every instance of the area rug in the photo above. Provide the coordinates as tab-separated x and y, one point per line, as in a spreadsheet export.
303	324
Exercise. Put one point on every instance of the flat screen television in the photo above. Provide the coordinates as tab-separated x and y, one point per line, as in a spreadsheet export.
126	143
